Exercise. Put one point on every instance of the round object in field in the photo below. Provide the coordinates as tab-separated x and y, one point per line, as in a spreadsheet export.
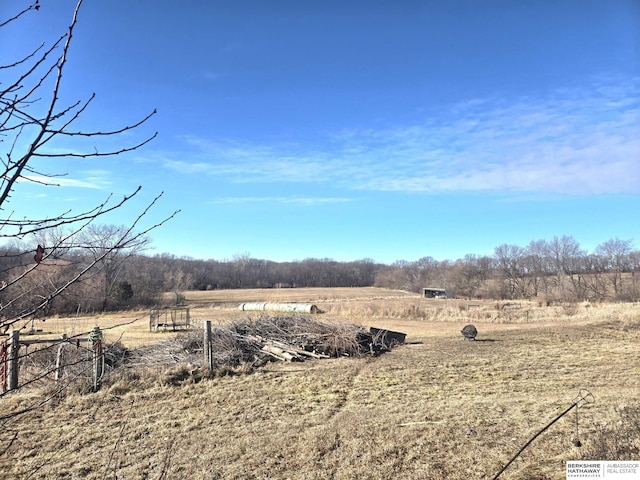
469	332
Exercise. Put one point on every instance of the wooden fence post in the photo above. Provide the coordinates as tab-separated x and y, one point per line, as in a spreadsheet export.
95	337
59	365
12	360
208	354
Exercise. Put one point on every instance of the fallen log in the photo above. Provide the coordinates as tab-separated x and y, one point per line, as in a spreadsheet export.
281	354
286	347
311	354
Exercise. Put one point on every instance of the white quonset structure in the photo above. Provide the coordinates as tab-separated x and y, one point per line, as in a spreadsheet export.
279	307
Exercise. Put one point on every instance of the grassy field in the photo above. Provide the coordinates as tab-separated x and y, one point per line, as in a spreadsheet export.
438	407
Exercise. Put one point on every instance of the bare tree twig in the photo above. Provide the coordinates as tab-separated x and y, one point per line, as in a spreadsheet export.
115	445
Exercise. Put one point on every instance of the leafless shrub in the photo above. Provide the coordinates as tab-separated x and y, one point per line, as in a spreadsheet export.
39	368
67	363
181	349
570	308
414	312
618	439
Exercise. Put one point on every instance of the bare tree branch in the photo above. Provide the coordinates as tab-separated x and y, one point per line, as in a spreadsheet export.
31	117
35	6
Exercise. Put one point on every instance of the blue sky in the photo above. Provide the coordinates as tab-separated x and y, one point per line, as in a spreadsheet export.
356	129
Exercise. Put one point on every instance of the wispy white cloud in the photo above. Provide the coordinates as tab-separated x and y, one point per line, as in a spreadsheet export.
93	179
573	141
295	200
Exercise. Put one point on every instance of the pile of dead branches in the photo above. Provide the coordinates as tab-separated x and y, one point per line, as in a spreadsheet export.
307	335
254	342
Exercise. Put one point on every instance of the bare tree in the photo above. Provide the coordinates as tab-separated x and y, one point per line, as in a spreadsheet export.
178	280
596	272
99	240
616	255
567	259
36	125
539	266
471	274
510	263
634	265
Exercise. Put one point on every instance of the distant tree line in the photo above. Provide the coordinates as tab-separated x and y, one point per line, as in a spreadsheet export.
554	270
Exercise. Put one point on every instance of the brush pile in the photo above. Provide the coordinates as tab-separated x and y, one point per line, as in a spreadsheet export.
254	342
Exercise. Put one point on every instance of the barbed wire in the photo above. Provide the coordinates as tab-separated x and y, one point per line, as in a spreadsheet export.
61	386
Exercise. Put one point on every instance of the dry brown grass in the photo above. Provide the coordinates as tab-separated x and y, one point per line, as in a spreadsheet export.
437	408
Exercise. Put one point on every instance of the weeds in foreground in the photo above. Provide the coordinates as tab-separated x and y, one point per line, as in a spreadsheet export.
617	439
